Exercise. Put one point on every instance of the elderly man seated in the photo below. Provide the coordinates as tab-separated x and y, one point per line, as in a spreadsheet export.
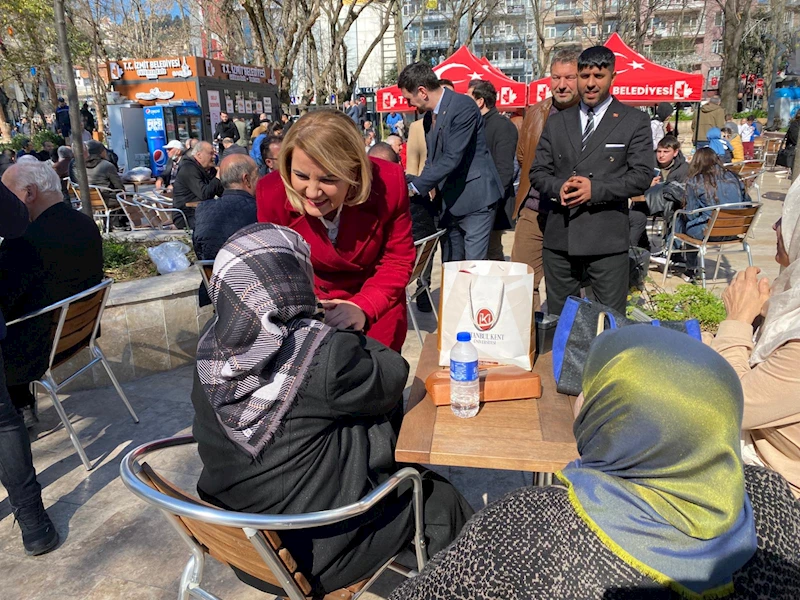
60	254
175	151
196	181
216	221
103	173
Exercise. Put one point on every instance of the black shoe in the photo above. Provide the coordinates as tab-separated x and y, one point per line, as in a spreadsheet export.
39	535
424	303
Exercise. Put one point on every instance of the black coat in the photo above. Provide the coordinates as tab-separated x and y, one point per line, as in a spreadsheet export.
226	130
60	254
619	161
336	446
793	133
215	222
679	172
194	184
13	221
501	137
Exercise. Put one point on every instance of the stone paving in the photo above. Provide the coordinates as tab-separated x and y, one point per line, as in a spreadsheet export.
114	546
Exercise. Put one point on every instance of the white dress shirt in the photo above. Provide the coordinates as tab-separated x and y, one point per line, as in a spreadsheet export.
599	113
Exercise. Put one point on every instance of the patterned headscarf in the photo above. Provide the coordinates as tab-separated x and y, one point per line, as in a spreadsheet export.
782	321
660	479
254	357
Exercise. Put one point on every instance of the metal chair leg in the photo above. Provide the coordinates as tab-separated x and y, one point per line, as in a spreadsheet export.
435	312
749	254
49	385
719	260
99	354
413	318
670	244
702	254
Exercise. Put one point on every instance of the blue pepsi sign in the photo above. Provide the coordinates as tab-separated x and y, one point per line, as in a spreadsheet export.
156	138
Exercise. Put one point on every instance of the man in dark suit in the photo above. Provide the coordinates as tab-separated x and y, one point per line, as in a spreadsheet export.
605	158
60	254
459	166
17	474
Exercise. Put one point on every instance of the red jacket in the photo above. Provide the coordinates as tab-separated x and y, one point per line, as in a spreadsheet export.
374	253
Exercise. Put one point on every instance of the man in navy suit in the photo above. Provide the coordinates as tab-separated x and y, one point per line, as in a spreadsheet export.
459	168
605	158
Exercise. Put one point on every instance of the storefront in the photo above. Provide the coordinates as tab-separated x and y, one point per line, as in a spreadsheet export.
215	86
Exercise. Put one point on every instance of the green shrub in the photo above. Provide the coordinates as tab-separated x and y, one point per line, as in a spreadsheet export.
688	302
38	139
759	113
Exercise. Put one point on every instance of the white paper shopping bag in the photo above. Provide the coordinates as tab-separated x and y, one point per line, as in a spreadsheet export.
492	300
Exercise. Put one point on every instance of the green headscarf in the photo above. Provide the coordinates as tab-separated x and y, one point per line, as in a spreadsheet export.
660	478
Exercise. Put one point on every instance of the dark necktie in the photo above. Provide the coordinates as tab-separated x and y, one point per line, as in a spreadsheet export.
589	130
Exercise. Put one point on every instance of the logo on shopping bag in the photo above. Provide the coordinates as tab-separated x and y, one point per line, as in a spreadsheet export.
484	320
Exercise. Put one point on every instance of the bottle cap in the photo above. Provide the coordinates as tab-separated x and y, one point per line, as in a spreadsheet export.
463	336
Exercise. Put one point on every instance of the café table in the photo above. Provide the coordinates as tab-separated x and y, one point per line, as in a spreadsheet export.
533	435
137	183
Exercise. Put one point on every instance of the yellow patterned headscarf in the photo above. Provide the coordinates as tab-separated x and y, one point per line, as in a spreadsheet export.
660	478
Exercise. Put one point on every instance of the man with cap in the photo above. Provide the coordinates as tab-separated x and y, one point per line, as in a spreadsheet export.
174	154
103	173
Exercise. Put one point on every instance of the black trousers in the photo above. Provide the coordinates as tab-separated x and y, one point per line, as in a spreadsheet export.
608	274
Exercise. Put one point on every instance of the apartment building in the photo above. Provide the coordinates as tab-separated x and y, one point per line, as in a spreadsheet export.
681	34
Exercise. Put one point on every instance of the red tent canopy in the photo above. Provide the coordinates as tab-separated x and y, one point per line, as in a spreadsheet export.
638	81
461	68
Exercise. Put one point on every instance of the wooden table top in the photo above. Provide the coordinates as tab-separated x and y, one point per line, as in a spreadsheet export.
517	435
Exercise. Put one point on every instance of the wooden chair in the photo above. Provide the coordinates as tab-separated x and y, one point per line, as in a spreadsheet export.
137	219
771	148
158	213
426	248
76	322
206	270
74	193
100	209
251	542
725	220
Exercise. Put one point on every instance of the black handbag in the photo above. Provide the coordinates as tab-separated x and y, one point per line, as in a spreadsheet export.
785	156
580	322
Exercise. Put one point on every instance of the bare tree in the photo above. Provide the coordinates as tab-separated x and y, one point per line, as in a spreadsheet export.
736	14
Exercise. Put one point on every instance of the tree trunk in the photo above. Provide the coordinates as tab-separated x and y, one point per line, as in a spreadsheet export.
736	14
5	128
51	86
74	111
399	39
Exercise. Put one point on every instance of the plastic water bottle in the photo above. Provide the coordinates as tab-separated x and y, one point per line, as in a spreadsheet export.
464	385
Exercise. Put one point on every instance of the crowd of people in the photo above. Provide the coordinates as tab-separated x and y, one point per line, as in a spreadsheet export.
689	476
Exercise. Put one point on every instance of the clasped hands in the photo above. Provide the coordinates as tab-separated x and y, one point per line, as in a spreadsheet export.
746	296
344	314
576	191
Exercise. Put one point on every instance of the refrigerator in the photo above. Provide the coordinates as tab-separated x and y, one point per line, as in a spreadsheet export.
167	122
127	135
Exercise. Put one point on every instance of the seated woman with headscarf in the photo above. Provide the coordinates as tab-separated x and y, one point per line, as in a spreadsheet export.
658	506
769	368
294	416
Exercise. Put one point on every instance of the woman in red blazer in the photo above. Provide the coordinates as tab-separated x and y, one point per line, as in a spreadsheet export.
353	212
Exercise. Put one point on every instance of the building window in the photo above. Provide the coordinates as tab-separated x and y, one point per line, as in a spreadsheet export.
788	18
718	19
690	21
515	6
716	46
549	32
517	53
593	30
411	8
609	27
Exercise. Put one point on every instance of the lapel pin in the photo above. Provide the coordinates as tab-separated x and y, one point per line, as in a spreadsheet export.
615	115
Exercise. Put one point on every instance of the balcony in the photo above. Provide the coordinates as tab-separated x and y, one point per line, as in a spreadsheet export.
568	14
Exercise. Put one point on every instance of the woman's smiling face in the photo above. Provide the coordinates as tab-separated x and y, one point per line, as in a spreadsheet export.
322	192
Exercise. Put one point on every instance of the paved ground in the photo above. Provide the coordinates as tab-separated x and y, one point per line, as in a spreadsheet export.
116	547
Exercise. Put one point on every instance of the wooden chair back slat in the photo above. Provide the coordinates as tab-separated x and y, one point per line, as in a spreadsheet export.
733	221
423	252
229	545
78	324
97	201
136	217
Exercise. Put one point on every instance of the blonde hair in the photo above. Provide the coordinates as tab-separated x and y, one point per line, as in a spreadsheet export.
332	139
